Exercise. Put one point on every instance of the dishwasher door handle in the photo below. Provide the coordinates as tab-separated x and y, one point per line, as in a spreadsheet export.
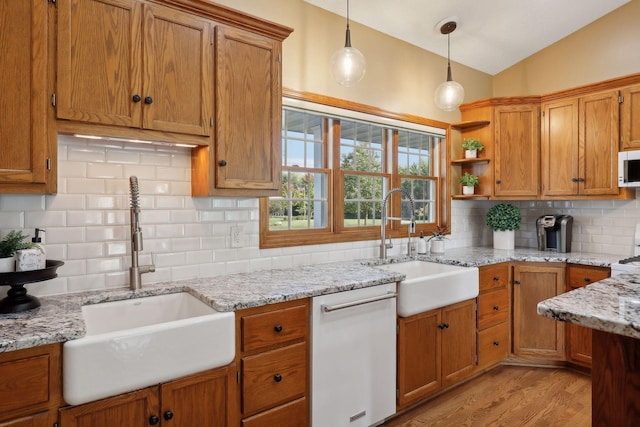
327	308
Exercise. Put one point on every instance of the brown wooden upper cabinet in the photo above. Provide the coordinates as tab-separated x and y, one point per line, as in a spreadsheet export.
580	142
517	148
26	162
133	64
630	118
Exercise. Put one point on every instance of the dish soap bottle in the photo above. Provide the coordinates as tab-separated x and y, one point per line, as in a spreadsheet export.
39	241
422	244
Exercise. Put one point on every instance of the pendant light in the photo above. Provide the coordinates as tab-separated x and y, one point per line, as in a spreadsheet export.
449	94
348	64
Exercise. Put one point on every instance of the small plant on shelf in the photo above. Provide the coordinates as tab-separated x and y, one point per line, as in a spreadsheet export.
469	180
471	147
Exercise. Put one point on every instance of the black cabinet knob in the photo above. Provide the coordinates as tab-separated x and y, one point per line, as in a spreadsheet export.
148	100
277	378
499	181
496	279
277	328
496	343
153	420
222	163
580	179
443	325
136	98
587	279
517	282
168	415
574	179
496	307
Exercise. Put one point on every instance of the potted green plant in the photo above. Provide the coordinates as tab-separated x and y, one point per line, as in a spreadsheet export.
437	240
504	219
471	147
13	242
469	181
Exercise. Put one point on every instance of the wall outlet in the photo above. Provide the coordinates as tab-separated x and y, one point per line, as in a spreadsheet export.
236	236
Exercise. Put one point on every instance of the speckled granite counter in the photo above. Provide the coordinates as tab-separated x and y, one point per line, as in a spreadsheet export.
59	318
611	305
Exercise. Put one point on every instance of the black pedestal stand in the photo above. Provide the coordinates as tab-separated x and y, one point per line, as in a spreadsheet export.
17	299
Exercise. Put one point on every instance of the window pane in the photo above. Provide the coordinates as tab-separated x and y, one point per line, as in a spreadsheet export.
415	153
361	147
362	200
302	143
303	203
423	192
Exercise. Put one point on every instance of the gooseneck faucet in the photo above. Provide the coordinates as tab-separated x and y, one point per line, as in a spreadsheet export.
383	225
136	271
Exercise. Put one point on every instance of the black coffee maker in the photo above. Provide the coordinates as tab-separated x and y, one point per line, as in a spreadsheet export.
554	232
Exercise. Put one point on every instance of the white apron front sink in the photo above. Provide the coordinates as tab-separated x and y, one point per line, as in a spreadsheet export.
430	285
136	343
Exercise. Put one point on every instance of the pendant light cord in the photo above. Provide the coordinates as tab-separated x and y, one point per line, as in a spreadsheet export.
347	42
449	77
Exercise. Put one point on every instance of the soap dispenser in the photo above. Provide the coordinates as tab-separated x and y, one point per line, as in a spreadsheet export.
38	239
422	244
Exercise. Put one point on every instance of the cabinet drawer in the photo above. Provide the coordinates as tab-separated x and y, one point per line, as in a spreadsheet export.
582	275
29	381
493	308
292	414
493	345
494	276
274	327
273	377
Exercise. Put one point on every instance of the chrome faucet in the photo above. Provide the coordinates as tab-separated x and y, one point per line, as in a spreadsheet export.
136	271
383	225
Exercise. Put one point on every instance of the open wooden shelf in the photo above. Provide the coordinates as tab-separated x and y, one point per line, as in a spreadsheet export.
470	124
477	160
470	197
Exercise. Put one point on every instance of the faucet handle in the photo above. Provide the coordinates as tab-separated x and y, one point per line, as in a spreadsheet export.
412	227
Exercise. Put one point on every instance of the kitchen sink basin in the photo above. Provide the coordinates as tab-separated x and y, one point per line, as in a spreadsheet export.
430	285
141	342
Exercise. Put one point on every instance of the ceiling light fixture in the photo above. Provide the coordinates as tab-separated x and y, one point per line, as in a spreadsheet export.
348	64
449	94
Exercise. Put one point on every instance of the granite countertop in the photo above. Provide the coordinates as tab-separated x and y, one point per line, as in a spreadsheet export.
59	318
610	305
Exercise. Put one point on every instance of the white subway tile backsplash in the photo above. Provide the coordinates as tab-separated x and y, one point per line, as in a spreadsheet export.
85	250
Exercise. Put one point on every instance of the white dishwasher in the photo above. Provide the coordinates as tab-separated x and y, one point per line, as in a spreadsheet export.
353	364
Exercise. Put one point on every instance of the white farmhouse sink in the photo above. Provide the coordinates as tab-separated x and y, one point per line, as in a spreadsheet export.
141	342
430	285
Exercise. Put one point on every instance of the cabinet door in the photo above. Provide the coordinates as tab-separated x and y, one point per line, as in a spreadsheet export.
560	148
458	341
100	61
630	118
517	151
23	91
535	335
248	111
133	409
579	347
198	400
38	420
419	367
177	91
598	139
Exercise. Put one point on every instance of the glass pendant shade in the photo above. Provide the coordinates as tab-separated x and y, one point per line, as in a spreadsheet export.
348	66
449	95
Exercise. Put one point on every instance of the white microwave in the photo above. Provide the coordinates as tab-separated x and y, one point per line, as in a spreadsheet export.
629	168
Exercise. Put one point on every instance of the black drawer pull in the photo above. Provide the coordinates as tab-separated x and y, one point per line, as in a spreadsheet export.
153	420
277	378
222	163
587	279
277	328
168	415
496	279
496	307
517	282
136	98
496	343
148	100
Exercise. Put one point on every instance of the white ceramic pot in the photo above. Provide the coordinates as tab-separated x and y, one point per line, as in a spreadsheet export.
468	190
437	246
470	154
7	265
504	240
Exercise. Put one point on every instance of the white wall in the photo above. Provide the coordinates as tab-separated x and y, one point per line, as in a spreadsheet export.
87	222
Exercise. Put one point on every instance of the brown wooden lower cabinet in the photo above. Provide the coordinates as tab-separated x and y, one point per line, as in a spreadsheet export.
435	349
30	386
579	347
197	400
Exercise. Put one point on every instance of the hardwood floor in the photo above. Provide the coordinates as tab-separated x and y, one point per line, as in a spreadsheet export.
510	396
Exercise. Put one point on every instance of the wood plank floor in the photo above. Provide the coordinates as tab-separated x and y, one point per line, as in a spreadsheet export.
510	396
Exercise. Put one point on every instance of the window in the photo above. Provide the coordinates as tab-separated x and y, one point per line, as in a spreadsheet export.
337	168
